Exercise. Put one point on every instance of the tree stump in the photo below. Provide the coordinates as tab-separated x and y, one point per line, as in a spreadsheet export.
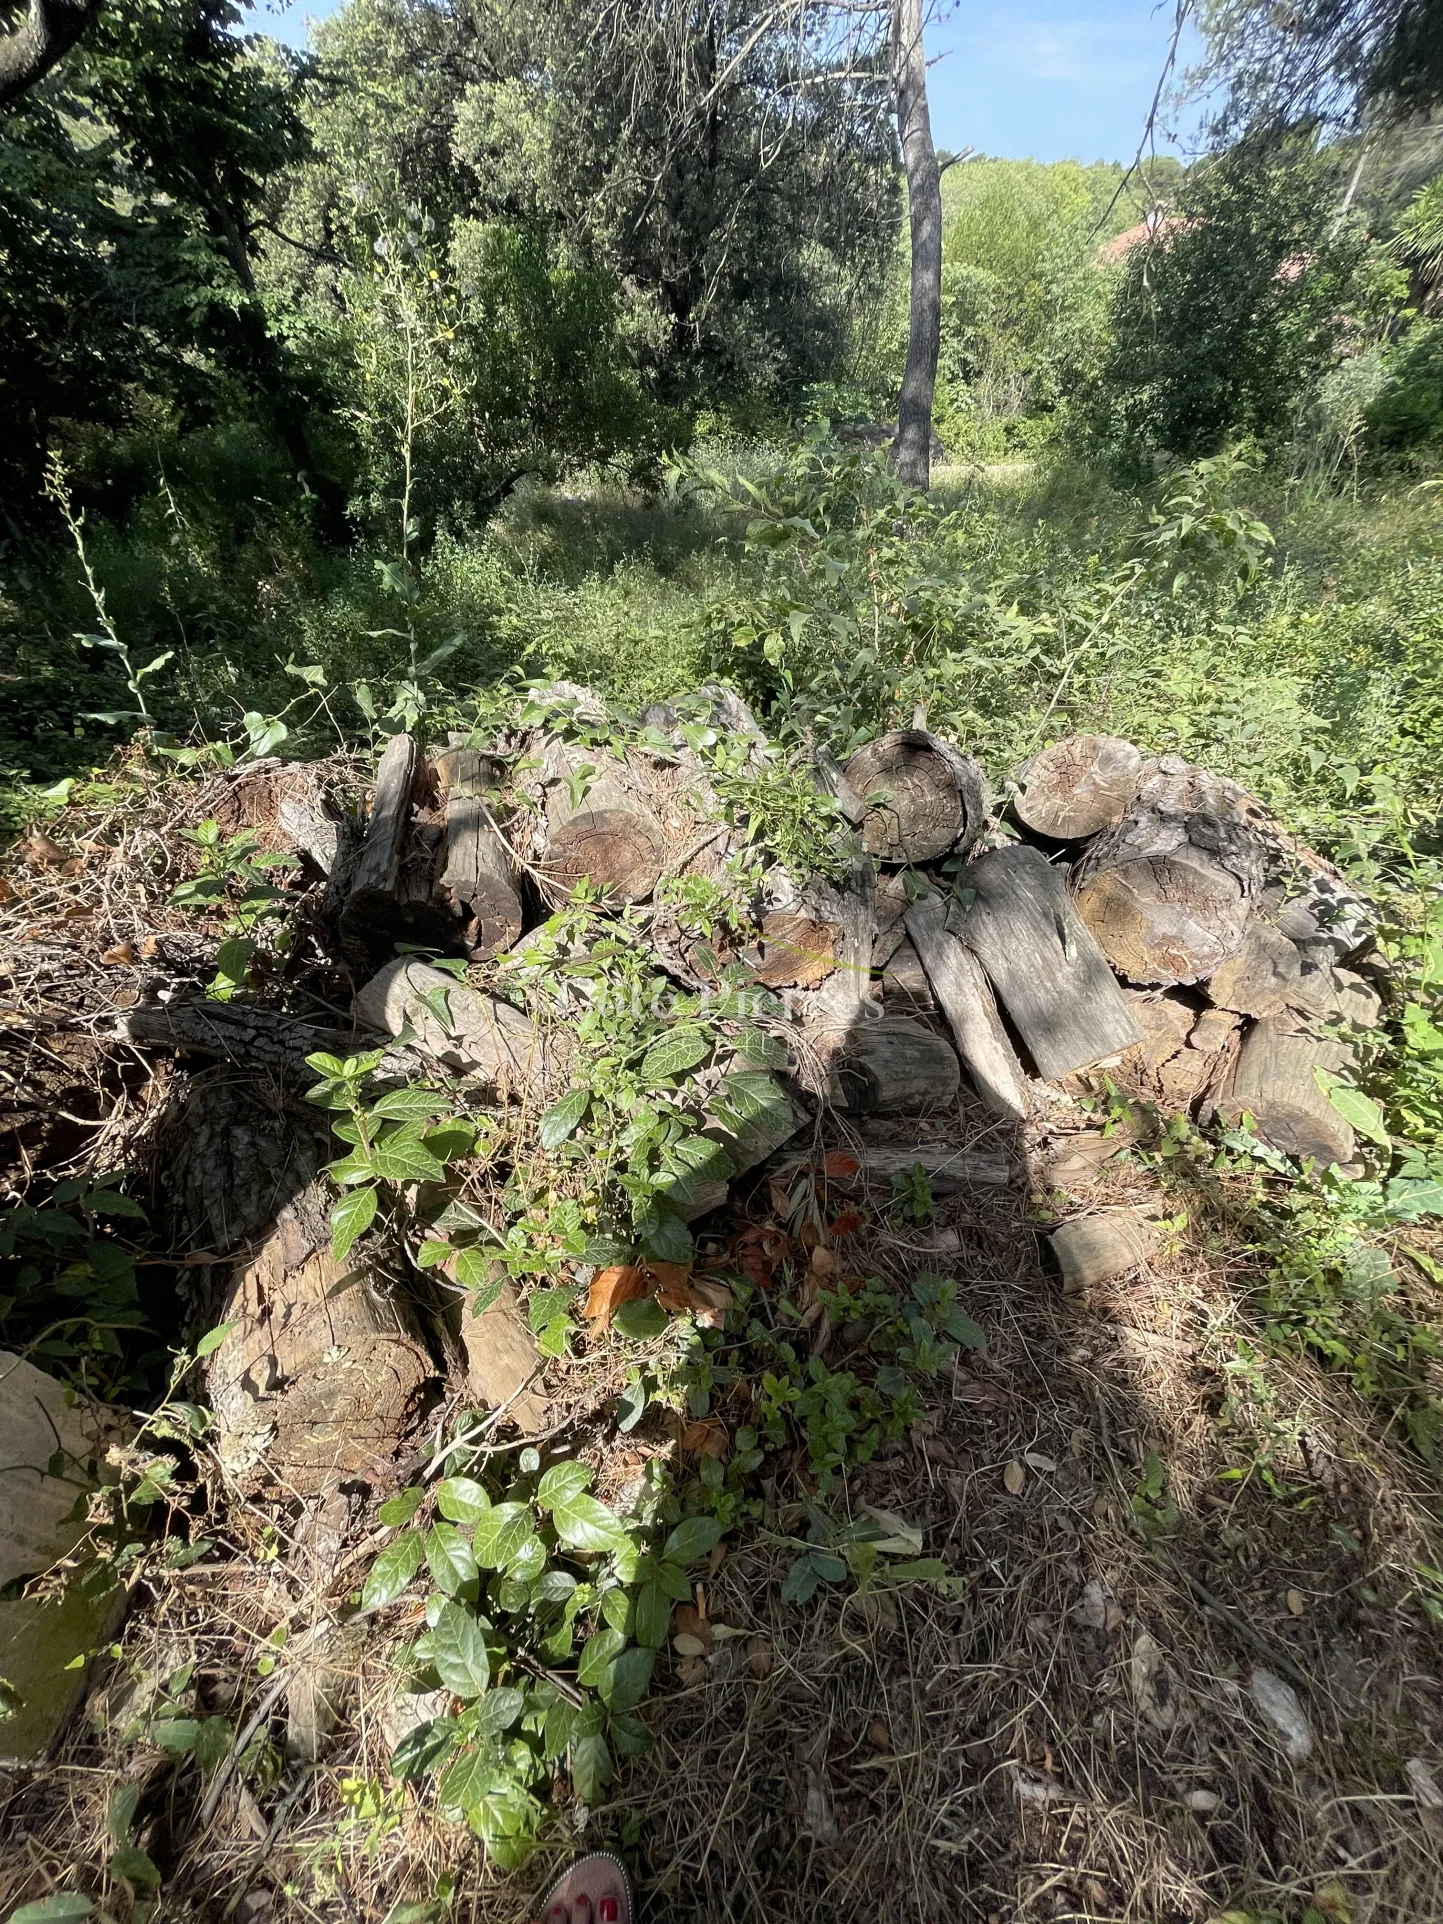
1078	786
1168	892
478	877
1042	962
923	798
962	988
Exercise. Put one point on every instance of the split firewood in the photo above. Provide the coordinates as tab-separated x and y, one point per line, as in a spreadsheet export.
478	877
1165	1022
923	798
891	1066
502	1360
261	1040
1078	786
600	824
1046	969
950	1172
393	894
965	995
1079	1159
472	1033
832	780
1168	892
1097	1248
322	1374
847	995
906	989
892	905
1213	1031
1340	996
1274	1081
1263	978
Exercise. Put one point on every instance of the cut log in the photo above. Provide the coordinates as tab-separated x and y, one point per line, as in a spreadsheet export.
1213	1031
951	1172
479	874
847	995
1078	1160
1263	978
473	1033
261	1040
285	805
322	1375
600	826
890	1066
1051	978
1078	786
393	895
1274	1081
832	780
798	951
1097	1248
923	798
906	989
1168	892
503	1363
965	995
1165	1023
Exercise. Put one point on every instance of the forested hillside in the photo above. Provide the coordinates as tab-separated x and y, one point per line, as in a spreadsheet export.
704	1154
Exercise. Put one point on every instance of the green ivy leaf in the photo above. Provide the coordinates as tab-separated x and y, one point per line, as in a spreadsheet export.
673	1055
213	1338
598	1654
392	1570
458	1651
408	1105
120	1814
1360	1112
213	1743
61	1907
135	1866
403	1157
468	1781
175	1733
653	1615
351	1216
563	1118
461	1499
631	1736
500	1533
424	1749
758	1047
628	1679
640	1320
581	1522
619	1611
449	1559
497	1711
397	1511
591	1766
693	1537
667	1238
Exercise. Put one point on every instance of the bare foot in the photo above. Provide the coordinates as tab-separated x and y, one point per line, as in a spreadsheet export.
593	1891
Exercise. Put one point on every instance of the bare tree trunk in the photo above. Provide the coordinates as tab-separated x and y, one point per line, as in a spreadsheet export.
48	31
924	206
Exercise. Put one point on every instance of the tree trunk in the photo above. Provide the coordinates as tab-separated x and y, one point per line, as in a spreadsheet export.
48	31
913	446
393	893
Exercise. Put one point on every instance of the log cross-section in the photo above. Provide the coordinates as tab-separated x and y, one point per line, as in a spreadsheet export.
967	1002
1048	973
922	797
1078	786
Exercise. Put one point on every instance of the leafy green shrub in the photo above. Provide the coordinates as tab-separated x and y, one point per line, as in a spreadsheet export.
1407	416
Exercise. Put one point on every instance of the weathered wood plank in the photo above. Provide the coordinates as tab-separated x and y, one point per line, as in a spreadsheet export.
966	998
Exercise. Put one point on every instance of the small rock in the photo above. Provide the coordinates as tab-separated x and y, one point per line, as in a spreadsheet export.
1280	1704
1202	1802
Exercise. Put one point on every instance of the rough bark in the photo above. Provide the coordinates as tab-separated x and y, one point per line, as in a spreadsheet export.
950	1171
1046	969
321	1376
1095	1249
502	1360
1165	1023
393	887
478	876
923	798
1168	892
891	1066
912	449
602	826
832	780
1274	1081
46	34
479	1036
966	997
847	994
1078	786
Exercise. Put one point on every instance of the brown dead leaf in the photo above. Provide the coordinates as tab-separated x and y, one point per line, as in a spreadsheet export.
149	948
612	1287
838	1165
687	1645
40	848
1295	1602
707	1438
761	1657
824	1260
779	1196
716	1557
688	1621
878	1735
757	1250
680	1292
692	1670
7	894
847	1224
1014	1478
981	1394
120	956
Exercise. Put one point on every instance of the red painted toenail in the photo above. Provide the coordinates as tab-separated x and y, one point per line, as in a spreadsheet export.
610	1910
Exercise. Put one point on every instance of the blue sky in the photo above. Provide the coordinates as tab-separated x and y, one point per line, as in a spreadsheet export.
1040	79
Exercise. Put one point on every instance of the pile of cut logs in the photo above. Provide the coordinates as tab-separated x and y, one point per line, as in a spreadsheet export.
1140	915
